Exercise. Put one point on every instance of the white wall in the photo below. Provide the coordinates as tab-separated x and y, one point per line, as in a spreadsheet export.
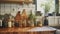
59	6
8	8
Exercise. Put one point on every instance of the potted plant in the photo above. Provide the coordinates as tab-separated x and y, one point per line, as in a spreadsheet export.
31	18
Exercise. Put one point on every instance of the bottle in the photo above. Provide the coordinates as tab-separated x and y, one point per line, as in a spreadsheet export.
45	21
18	19
10	21
24	18
31	18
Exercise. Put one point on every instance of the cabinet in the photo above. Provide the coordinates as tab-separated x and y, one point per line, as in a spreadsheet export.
54	20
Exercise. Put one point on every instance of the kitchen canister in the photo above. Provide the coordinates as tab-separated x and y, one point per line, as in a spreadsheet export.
9	24
0	23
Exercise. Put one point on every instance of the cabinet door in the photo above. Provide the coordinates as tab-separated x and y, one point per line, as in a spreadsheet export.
59	20
56	21
51	21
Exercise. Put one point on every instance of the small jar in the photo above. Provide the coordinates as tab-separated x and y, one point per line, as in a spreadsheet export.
9	24
0	22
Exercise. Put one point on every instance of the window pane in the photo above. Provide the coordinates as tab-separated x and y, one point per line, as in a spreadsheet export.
46	6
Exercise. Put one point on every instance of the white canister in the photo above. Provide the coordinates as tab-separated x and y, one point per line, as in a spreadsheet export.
9	24
0	22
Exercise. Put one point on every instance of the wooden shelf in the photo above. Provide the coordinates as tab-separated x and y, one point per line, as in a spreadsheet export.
11	1
15	1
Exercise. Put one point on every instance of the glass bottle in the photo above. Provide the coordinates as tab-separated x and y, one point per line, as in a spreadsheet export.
30	18
24	18
18	19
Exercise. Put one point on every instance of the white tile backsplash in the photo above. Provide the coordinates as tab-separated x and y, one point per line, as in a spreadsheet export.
8	7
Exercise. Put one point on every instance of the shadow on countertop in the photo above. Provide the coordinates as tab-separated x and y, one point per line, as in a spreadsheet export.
57	27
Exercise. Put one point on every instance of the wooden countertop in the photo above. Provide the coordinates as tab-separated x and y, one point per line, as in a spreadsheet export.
27	29
14	29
